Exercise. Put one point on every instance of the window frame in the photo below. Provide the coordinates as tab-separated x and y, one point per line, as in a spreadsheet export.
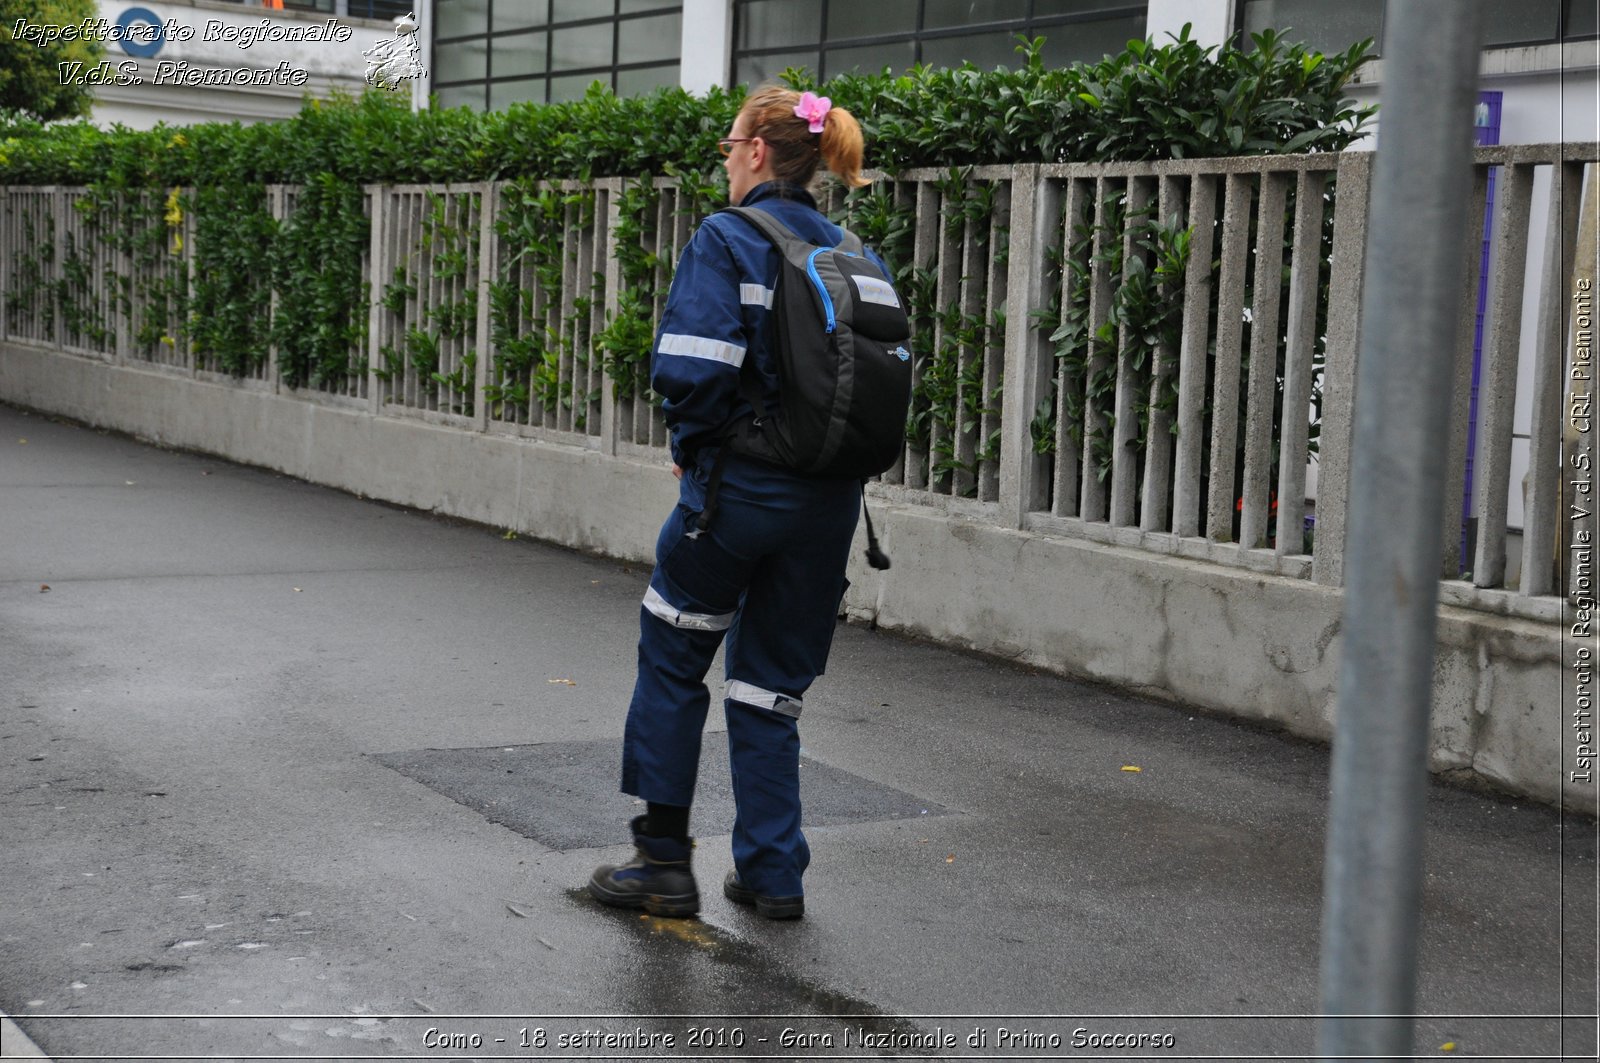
1563	16
606	73
1031	24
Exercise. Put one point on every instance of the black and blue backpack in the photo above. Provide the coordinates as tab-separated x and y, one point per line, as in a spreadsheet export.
844	368
843	361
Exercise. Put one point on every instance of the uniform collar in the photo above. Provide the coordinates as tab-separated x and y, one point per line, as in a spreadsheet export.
778	190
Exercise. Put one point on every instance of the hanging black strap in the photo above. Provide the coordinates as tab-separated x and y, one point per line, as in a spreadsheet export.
713	488
875	557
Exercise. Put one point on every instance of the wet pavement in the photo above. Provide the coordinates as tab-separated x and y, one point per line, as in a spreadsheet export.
287	773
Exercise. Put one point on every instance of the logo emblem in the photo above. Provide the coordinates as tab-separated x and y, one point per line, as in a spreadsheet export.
901	353
146	41
398	58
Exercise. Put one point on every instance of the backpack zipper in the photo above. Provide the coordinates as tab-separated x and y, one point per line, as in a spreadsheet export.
822	289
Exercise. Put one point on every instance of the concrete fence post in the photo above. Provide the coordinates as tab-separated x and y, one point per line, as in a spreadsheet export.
8	242
1541	514
1352	188
1023	473
378	263
610	426
278	211
487	264
1455	443
122	283
58	227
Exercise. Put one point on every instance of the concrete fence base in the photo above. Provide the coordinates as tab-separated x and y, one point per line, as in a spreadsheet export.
1256	646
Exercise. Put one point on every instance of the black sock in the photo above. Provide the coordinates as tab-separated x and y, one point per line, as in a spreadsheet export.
667	821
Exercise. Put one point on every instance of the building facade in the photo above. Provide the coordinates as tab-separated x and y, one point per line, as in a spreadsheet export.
186	61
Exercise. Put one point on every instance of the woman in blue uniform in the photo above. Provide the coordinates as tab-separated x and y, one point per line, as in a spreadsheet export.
767	574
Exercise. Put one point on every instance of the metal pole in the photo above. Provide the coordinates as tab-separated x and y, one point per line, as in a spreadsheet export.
1421	182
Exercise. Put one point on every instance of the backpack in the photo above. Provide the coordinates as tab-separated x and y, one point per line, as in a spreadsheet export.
844	370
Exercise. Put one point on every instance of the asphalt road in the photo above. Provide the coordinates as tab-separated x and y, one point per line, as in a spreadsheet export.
287	773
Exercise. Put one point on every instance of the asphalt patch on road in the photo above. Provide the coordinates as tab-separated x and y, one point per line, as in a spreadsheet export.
564	794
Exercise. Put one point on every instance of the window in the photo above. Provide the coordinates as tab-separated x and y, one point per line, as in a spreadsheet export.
1525	22
1316	23
385	10
381	10
831	37
497	52
1582	20
1335	27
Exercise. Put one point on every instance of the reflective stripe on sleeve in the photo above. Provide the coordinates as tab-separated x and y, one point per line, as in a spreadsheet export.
750	694
702	347
660	607
755	295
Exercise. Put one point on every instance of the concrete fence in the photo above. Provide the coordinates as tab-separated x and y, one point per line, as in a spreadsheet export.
1129	442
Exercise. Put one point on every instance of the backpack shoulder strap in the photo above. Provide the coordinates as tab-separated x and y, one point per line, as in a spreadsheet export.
780	235
788	243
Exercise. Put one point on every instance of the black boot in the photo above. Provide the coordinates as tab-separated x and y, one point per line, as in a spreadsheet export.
768	907
658	879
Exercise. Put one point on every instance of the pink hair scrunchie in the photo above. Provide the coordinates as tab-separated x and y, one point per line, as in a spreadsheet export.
814	109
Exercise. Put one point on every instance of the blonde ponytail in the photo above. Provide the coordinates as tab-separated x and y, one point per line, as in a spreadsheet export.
842	147
796	151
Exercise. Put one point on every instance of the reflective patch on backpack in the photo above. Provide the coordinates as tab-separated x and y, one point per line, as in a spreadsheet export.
873	290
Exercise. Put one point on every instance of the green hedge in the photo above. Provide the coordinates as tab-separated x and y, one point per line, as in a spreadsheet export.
1175	100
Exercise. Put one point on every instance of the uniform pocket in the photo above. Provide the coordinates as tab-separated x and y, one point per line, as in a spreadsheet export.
703	575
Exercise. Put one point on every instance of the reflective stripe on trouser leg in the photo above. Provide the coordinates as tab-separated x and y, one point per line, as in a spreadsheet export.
692	601
770	700
661	740
777	646
769	848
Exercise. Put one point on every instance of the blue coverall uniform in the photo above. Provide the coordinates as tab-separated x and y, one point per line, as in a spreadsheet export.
768	574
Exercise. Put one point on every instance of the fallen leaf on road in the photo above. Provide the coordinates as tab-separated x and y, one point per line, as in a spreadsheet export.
44	588
950	859
22	441
1131	767
297	590
1448	1046
511	533
565	682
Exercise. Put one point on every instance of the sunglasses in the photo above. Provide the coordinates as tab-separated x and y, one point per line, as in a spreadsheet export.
725	145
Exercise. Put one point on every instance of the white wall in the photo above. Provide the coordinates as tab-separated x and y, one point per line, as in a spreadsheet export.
1212	19
328	65
707	45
